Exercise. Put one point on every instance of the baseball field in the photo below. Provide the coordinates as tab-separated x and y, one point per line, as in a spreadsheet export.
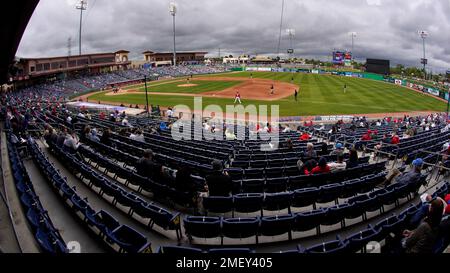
318	94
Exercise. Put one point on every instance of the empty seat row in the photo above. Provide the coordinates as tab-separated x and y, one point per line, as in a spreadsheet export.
149	214
201	228
47	236
120	238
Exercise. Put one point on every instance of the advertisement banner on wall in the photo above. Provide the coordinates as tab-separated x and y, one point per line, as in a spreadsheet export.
447	95
398	82
314	71
433	92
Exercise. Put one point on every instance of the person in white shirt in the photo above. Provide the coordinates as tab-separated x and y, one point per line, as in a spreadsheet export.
206	126
72	142
229	135
125	121
81	115
139	136
170	112
69	119
339	165
286	129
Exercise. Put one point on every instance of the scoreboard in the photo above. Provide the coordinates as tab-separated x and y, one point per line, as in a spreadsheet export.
342	58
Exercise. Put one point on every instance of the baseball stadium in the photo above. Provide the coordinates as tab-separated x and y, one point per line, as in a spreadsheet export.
129	150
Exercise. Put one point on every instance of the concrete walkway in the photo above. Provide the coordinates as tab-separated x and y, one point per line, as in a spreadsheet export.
68	225
22	231
98	203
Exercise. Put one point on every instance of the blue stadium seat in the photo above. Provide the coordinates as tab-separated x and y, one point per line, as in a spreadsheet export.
277	225
218	204
202	227
277	201
359	240
240	228
253	185
50	243
275	185
104	221
305	197
332	247
329	193
129	240
305	221
178	250
230	251
248	202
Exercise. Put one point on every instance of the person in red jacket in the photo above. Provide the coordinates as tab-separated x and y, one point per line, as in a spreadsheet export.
367	136
322	167
395	139
305	136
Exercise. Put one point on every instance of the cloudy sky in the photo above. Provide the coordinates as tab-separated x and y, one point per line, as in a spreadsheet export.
385	28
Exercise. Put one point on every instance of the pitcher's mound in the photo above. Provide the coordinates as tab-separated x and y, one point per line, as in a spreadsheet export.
187	85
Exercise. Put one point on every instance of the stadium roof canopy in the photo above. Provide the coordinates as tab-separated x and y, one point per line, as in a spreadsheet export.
14	18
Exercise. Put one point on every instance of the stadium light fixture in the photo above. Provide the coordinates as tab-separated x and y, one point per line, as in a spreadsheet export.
424	34
291	33
173	11
82	5
146	95
353	34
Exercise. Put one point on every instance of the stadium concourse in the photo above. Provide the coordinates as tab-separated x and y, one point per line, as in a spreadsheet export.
85	181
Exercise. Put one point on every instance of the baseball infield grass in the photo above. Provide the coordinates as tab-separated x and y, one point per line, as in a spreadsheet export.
175	87
319	95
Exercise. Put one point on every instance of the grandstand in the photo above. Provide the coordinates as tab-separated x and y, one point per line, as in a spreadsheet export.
103	181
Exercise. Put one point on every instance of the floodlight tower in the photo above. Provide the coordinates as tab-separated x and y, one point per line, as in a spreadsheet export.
353	34
82	6
424	34
291	33
173	11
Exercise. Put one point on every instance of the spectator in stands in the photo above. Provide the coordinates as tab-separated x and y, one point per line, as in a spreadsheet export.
102	115
93	135
286	129
169	112
426	201
324	149
61	137
310	152
367	136
307	167
147	167
184	183
413	175
125	122
423	238
163	126
71	143
105	139
339	165
305	136
410	177
339	149
138	136
322	167
289	145
353	161
395	140
218	183
50	135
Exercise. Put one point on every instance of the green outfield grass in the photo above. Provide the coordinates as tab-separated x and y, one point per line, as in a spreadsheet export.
173	87
319	95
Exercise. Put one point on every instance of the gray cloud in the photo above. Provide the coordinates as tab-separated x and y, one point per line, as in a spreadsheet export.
386	29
